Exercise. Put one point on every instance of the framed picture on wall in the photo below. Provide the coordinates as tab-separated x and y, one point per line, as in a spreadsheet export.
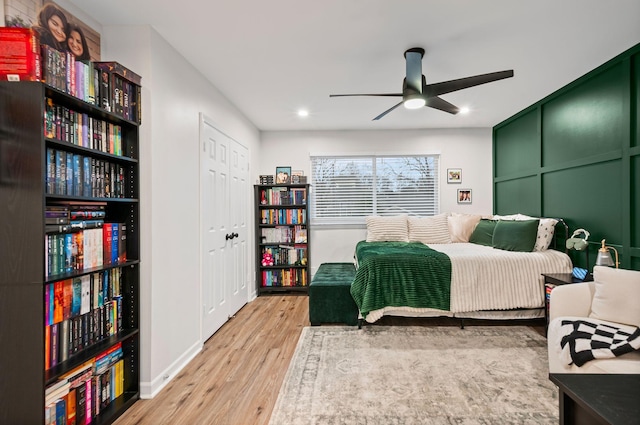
283	175
454	175
464	196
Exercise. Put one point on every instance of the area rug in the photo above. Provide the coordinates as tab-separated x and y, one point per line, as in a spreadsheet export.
410	375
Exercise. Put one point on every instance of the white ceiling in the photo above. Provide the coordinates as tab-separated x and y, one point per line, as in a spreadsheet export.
270	58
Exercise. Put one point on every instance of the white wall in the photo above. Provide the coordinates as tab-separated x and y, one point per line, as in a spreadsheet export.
173	95
468	149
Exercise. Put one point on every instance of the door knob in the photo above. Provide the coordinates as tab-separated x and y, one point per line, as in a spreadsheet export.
228	236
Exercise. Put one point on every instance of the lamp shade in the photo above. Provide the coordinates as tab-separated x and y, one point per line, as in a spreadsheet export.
604	256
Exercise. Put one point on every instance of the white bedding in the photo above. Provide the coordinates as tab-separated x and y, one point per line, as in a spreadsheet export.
485	278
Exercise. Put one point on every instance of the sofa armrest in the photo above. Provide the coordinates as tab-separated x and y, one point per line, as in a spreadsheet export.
571	300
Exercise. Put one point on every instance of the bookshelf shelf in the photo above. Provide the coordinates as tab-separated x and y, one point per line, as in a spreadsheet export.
37	261
282	231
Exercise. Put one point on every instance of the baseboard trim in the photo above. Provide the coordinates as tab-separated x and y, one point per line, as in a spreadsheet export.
149	390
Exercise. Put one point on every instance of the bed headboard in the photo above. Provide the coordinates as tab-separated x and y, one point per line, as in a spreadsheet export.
560	236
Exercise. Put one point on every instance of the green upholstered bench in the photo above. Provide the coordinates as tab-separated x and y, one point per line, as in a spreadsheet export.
330	299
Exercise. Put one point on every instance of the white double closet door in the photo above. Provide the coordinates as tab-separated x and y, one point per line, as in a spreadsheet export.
223	216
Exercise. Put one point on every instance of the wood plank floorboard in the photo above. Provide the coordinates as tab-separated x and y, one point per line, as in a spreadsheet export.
236	378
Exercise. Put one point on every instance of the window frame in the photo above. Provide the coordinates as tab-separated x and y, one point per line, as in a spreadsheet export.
358	221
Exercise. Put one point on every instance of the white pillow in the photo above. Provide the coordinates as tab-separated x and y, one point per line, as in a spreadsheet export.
617	295
546	229
505	217
429	229
461	226
387	229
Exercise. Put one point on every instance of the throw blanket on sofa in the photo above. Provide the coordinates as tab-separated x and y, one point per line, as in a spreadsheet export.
584	341
400	274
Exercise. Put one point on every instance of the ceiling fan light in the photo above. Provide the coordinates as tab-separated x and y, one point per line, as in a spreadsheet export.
414	103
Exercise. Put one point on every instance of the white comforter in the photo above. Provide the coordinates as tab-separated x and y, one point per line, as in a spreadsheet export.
486	278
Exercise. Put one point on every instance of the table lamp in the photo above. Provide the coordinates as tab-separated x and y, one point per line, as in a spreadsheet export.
604	256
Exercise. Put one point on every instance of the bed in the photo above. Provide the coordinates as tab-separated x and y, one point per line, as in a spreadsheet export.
457	274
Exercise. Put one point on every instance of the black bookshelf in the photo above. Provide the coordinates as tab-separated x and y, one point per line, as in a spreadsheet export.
24	197
282	230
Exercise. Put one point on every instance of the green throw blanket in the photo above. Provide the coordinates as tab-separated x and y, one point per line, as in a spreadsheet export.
399	274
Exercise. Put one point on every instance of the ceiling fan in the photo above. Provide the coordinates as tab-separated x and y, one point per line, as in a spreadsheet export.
416	93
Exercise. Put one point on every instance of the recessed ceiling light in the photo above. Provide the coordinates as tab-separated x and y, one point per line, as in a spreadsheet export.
464	110
303	113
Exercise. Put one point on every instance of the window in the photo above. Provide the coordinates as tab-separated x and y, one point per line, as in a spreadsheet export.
348	188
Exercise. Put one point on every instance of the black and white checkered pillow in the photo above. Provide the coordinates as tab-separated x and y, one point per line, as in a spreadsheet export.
587	341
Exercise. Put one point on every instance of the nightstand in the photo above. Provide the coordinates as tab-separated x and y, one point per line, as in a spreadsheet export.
551	280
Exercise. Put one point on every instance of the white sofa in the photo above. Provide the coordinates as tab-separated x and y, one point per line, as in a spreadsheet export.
612	298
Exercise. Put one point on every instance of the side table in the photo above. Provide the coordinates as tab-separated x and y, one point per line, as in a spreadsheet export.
551	280
598	399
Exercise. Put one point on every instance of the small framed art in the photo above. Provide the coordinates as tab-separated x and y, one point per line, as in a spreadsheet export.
296	176
464	196
283	175
454	175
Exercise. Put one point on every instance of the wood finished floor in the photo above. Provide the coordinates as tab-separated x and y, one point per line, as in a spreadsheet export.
236	378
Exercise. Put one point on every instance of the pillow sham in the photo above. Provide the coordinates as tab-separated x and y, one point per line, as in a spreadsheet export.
387	229
483	233
461	226
515	235
546	229
428	230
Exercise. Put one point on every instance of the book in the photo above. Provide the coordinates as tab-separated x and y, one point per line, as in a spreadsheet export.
64	340
115	242
54	345
56	386
121	86
86	224
71	407
105	389
85	305
78	375
122	243
61	411
107	358
58	301
76	300
89	400
19	54
58	393
67	293
87	213
47	347
104	88
81	400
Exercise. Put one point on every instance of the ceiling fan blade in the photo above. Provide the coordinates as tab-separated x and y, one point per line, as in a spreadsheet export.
370	94
463	83
441	104
413	59
387	111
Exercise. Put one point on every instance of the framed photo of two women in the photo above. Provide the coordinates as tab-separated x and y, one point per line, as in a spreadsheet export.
56	27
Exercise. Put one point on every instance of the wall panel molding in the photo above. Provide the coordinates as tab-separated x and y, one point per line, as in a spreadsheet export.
576	154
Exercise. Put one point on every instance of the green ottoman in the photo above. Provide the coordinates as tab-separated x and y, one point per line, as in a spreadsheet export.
330	299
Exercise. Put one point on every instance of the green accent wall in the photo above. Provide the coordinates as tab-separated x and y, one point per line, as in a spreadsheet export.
576	155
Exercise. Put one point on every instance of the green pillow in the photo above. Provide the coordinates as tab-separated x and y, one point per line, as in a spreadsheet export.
483	233
516	235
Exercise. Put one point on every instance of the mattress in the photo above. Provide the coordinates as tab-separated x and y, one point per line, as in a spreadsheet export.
485	282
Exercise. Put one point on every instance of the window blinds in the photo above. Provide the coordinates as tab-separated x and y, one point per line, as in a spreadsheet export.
348	188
